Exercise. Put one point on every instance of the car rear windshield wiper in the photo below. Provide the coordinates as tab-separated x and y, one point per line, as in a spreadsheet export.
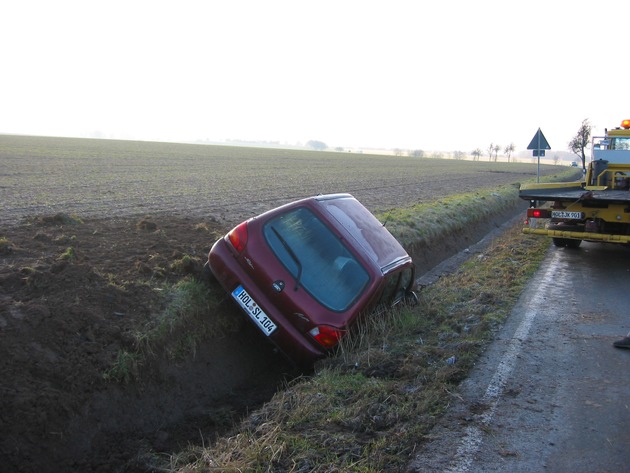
293	255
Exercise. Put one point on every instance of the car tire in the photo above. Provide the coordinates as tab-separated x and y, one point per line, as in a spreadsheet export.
411	299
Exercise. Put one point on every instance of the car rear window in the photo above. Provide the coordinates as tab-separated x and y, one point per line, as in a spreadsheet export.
316	258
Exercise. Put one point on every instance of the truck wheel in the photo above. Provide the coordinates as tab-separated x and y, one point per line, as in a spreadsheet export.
566	242
563	242
573	243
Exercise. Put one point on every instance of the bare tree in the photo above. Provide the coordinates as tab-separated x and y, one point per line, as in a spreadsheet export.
496	152
581	141
508	150
476	154
490	151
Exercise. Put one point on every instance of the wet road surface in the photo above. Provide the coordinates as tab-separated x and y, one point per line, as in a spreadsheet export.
551	393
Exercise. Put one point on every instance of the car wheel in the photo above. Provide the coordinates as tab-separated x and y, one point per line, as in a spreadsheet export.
411	298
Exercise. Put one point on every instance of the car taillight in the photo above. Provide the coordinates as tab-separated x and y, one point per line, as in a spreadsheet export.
538	213
238	237
327	336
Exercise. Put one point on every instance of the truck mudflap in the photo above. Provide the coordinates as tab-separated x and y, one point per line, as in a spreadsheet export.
588	236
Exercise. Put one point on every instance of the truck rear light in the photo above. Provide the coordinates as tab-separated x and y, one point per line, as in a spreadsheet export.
238	237
538	213
327	336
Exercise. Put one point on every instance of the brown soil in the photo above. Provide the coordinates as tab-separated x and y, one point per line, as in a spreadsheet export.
63	318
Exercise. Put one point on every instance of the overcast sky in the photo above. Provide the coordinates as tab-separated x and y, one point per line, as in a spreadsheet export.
430	75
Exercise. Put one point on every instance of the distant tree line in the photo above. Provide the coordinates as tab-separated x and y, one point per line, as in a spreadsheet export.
577	145
492	152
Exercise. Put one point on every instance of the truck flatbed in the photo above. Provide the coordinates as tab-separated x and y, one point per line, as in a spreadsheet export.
574	193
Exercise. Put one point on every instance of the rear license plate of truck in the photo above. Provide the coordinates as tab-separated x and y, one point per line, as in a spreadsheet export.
569	215
252	309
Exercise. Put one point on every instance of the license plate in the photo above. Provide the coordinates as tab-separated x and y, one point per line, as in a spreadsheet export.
570	215
253	310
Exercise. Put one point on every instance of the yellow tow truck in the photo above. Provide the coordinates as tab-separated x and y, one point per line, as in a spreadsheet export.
596	208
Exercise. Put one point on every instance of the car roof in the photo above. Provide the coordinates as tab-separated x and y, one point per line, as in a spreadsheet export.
368	232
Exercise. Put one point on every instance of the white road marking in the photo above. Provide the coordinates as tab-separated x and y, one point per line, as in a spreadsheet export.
473	437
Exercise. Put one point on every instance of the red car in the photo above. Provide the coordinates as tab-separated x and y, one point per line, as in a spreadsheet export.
305	272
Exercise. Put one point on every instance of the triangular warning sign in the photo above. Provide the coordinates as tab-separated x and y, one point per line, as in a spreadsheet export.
539	141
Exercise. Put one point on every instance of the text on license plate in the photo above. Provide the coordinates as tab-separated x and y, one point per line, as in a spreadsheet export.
253	310
563	214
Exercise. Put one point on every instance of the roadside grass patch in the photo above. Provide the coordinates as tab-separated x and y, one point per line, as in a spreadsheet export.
186	264
189	316
368	408
125	367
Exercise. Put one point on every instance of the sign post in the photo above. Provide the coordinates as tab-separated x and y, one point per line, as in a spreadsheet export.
539	144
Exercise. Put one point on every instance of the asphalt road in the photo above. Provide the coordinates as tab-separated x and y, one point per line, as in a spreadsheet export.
551	393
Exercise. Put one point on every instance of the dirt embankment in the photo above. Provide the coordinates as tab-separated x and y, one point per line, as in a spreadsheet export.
72	296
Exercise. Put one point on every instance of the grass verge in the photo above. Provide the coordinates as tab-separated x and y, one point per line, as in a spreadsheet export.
368	409
425	224
177	331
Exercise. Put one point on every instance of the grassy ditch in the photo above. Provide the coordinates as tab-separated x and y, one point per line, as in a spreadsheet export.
368	409
177	331
425	224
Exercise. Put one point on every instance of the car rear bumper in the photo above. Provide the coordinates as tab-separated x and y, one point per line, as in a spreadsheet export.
287	338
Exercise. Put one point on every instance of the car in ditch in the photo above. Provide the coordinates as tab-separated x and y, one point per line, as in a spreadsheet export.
306	272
